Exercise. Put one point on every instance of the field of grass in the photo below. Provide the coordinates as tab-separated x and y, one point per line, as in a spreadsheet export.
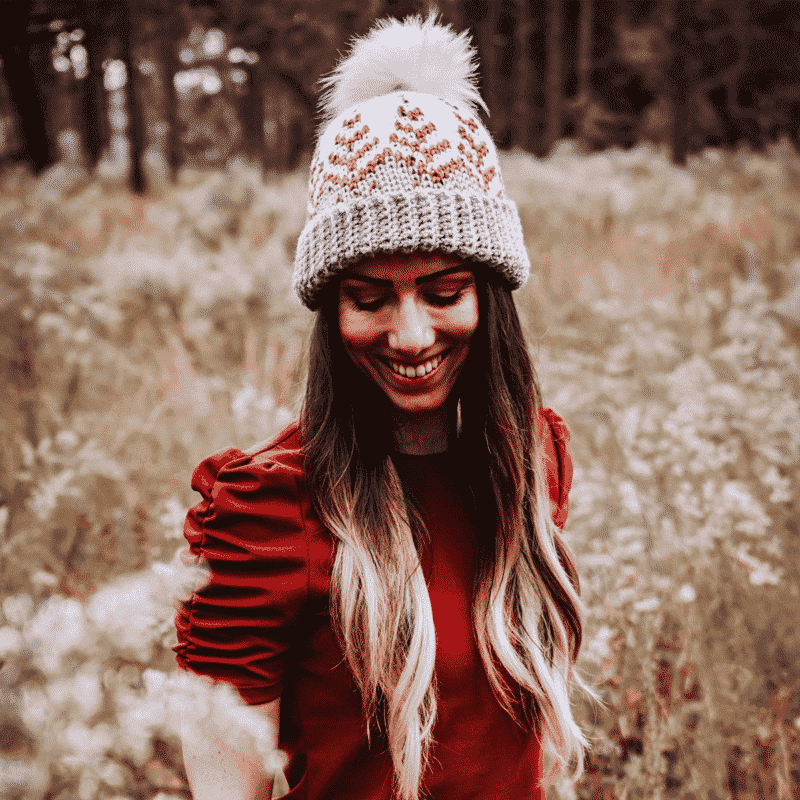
137	335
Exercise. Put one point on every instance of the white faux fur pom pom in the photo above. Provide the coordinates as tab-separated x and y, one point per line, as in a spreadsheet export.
416	55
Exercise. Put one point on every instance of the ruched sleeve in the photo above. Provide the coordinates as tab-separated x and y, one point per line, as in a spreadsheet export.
248	532
555	437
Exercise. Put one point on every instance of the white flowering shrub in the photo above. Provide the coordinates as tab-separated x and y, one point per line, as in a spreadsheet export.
94	699
662	301
681	516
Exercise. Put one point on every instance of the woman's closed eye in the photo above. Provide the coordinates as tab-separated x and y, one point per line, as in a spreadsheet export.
369	304
441	293
448	290
365	298
438	299
442	299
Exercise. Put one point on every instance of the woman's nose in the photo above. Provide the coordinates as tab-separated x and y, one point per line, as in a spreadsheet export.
411	330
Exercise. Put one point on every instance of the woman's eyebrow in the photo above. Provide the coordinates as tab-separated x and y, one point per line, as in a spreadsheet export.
354	276
434	275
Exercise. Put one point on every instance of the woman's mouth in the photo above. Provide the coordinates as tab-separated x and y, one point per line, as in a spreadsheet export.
415	372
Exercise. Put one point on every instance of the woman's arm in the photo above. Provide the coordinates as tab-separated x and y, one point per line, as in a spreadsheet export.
219	770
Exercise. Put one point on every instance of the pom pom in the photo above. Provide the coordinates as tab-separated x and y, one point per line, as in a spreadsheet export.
414	55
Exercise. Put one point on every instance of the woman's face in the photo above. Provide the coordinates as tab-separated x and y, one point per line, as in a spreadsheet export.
406	320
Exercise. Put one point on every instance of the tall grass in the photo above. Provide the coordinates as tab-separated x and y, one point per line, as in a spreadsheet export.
139	335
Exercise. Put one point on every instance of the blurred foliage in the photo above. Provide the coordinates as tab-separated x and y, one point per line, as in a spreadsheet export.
209	82
139	334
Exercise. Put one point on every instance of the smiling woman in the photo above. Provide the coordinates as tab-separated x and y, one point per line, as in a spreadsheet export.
388	581
407	320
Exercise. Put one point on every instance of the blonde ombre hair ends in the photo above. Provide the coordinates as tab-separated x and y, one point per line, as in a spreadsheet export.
527	613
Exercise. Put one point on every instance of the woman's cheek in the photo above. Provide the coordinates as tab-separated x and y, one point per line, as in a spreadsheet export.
356	331
465	322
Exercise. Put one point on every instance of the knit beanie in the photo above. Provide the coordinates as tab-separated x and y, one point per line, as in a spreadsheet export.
402	162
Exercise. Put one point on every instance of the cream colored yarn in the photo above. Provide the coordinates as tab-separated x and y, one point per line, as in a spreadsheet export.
405	170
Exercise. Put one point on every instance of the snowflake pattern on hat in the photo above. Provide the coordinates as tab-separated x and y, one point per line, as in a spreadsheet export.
416	155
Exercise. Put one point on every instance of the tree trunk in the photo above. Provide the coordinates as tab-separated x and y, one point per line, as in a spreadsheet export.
95	109
283	122
356	16
25	86
254	111
135	118
402	8
155	88
584	69
453	13
490	44
678	78
524	106
172	33
555	69
743	31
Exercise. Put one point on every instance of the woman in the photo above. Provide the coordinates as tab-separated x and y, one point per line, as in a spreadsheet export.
387	578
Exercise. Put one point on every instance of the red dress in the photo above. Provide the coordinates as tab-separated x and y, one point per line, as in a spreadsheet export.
262	624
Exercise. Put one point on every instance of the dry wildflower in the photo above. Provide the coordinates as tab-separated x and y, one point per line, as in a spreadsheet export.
686	594
36	710
598	647
79	695
686	442
45	496
21	777
11	642
58	628
135	612
18	608
173	517
84	745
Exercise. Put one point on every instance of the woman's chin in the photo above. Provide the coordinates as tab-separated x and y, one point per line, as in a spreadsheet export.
421	404
417	409
410	398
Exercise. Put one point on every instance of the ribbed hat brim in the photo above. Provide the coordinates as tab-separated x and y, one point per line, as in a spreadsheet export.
484	229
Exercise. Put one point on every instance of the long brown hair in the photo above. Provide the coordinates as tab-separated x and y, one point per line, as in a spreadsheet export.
527	612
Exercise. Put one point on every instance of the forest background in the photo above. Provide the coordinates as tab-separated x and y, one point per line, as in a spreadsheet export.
169	83
152	189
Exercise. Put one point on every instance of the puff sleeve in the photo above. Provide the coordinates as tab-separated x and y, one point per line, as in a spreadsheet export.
555	437
248	531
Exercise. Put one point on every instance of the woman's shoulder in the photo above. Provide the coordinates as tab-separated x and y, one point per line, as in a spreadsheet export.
553	424
252	534
555	437
240	489
285	443
255	499
275	459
